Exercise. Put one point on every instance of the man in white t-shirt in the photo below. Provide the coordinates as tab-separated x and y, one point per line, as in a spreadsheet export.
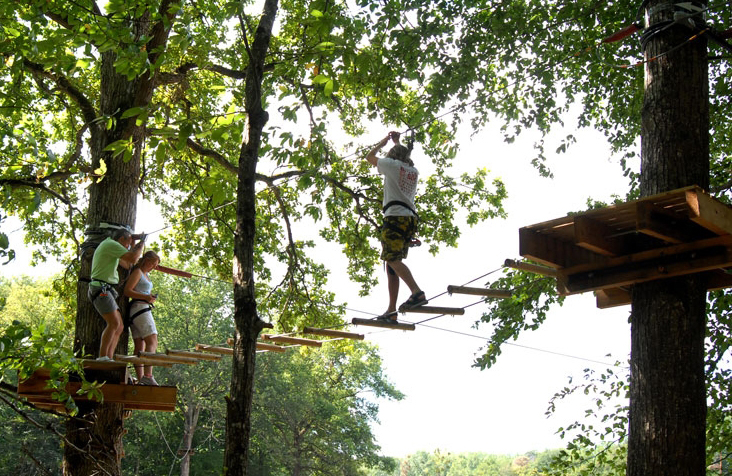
400	221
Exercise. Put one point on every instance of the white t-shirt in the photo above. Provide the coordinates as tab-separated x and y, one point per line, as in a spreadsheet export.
400	184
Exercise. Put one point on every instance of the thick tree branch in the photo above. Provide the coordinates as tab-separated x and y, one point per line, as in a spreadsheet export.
220	159
180	73
37	184
64	85
158	38
357	197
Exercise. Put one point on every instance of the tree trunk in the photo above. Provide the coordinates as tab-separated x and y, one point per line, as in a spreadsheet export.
96	433
247	323
189	429
668	320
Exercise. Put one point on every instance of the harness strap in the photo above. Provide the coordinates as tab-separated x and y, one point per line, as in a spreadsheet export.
398	202
132	317
105	286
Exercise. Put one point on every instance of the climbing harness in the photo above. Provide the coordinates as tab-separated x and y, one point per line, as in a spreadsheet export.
131	318
398	202
104	288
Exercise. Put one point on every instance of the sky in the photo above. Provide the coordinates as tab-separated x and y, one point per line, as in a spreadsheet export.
449	405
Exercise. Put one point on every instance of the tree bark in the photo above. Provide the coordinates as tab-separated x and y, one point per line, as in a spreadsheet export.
189	429
97	430
95	435
668	319
246	321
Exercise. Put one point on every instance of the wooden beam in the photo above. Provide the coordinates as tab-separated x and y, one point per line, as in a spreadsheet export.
261	346
597	237
555	251
491	293
695	246
661	268
292	340
195	355
530	267
131	359
270	347
612	297
540	248
453	311
666	225
719	279
101	365
47	403
174	359
387	325
716	279
215	349
161	397
709	212
332	333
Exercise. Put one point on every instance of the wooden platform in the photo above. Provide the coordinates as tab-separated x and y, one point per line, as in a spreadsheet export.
133	397
607	250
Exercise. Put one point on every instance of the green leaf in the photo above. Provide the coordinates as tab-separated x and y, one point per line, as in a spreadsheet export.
133	111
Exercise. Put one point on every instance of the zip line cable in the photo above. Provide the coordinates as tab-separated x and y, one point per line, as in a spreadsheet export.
560	354
422	323
192	217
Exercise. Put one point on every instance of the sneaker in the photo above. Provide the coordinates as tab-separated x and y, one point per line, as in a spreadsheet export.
148	381
415	300
104	359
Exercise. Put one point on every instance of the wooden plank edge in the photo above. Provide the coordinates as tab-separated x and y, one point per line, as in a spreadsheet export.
332	333
292	340
215	349
195	355
453	311
490	293
175	359
387	325
532	268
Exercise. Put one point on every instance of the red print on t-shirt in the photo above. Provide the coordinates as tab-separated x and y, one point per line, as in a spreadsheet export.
407	181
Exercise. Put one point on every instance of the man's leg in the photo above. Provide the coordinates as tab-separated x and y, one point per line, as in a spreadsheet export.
393	286
405	274
111	333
